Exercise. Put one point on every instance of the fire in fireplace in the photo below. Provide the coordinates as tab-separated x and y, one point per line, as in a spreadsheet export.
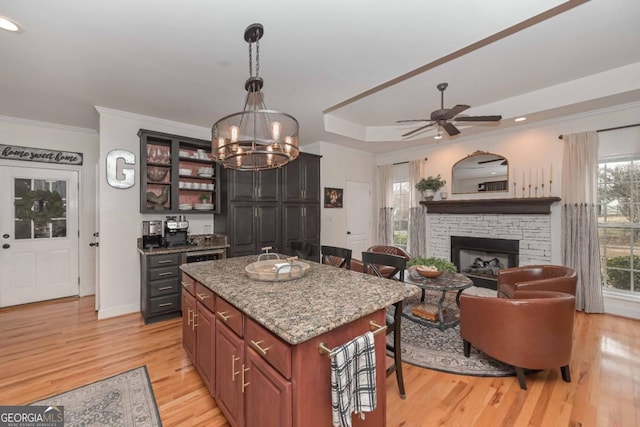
481	258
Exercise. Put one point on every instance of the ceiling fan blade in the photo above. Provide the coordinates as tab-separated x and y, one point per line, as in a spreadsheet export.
418	130
413	120
478	119
455	111
450	129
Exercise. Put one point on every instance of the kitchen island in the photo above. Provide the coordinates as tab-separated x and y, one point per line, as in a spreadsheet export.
257	344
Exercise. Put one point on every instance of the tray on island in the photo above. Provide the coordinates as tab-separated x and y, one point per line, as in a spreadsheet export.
277	270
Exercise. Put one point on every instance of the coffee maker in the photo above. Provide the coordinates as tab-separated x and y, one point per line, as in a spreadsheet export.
175	231
152	234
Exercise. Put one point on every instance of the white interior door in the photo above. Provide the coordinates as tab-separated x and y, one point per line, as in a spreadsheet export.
357	203
38	234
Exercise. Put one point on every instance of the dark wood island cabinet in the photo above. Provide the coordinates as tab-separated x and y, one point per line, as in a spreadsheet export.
267	367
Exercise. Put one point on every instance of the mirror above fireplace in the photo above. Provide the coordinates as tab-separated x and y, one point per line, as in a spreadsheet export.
480	172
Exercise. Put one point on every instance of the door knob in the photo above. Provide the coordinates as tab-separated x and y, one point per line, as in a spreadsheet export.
6	246
94	244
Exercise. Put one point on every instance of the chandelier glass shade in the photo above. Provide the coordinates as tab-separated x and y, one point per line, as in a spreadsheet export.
256	138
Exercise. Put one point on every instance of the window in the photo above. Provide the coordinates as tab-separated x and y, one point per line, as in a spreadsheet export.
619	224
40	208
401	206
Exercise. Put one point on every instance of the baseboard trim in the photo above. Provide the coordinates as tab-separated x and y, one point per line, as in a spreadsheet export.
117	311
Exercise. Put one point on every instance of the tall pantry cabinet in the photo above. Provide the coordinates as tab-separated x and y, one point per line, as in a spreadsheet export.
279	208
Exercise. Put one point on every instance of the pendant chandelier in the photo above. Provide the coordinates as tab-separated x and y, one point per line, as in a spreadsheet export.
257	138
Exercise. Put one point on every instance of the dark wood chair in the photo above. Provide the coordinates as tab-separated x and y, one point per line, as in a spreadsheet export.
372	263
335	256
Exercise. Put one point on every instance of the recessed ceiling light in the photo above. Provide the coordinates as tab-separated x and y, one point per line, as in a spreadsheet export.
520	119
9	25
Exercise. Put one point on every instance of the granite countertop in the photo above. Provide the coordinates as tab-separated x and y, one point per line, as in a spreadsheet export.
298	310
218	241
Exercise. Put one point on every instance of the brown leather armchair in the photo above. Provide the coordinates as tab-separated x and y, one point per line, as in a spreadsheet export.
534	330
555	278
356	264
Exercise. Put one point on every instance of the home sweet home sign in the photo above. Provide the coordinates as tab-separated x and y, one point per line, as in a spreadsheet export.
28	154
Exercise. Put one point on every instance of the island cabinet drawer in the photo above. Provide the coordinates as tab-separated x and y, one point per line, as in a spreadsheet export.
230	315
271	348
163	287
167	260
188	283
205	296
164	273
163	304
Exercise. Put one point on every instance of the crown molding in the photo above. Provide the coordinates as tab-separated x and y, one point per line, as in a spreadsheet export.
49	125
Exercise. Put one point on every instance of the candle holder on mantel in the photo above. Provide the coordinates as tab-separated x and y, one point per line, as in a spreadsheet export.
542	189
550	192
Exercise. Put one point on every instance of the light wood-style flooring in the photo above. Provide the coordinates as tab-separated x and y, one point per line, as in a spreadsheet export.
47	348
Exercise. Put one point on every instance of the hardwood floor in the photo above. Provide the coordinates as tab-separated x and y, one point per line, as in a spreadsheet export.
50	347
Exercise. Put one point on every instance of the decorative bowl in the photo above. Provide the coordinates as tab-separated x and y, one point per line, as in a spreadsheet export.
277	270
424	272
156	173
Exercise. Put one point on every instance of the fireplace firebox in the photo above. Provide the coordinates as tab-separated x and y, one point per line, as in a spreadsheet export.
480	258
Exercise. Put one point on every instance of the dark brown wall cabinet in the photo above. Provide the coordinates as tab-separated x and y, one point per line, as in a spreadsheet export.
177	174
277	207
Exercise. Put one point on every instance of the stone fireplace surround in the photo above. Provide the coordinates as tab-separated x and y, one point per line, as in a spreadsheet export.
533	231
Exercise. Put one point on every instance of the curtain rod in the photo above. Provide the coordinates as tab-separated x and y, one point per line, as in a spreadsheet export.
615	128
404	163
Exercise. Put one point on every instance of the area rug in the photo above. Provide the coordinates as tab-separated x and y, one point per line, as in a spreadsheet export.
124	400
432	348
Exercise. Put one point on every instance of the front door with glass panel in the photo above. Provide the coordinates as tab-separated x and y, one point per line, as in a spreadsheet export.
38	234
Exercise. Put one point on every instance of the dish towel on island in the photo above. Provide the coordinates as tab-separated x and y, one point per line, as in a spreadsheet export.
353	379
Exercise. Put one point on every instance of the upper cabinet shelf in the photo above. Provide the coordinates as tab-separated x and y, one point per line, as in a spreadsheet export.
170	163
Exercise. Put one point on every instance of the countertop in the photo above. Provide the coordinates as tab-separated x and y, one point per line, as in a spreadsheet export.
298	310
218	241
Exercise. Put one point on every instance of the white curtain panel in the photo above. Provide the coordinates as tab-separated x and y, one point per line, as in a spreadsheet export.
417	241
580	243
385	196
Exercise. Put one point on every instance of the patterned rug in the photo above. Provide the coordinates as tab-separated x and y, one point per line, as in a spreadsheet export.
431	348
123	400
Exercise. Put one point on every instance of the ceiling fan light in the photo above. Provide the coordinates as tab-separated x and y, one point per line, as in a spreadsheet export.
438	136
10	25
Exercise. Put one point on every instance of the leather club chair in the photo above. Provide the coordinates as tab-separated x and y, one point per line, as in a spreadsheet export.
555	278
534	330
356	264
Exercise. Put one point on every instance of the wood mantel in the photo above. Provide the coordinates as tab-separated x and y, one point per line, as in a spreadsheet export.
537	205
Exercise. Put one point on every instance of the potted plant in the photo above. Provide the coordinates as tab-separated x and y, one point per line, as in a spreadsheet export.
204	198
428	186
439	263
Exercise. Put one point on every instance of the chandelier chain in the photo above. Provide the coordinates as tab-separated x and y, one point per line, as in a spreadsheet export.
258	58
250	60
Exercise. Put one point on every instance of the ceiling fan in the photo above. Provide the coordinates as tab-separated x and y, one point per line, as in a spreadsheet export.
444	117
